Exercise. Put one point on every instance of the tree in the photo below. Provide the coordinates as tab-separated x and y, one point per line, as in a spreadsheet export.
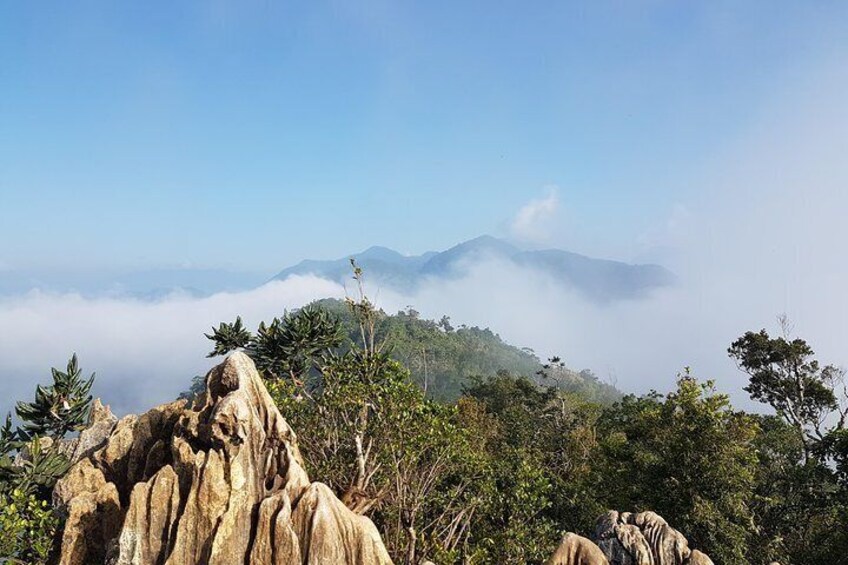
61	407
689	457
365	427
229	337
801	504
288	347
58	409
31	462
540	446
784	375
799	511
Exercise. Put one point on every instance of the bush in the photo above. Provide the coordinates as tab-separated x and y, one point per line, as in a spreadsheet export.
27	528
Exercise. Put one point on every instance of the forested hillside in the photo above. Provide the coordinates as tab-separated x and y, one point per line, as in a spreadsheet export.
443	359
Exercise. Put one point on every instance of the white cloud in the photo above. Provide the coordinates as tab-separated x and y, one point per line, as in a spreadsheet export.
144	353
535	221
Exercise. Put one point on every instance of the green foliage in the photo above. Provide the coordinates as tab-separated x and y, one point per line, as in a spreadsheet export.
784	375
366	428
538	445
31	463
9	440
39	470
443	359
369	433
513	524
27	528
835	447
801	508
688	457
197	387
531	449
287	347
61	407
229	337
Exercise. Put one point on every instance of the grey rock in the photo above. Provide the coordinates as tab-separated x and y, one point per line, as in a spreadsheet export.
644	538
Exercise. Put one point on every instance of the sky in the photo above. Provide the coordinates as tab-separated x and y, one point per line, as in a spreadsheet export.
708	137
249	135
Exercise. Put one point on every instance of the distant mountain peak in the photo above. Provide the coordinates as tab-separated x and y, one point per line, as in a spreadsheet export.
488	242
380	252
600	280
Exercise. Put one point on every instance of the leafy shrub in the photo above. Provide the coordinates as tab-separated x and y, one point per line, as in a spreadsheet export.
28	525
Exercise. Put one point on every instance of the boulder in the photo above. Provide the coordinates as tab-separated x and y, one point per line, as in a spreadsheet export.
698	558
643	538
220	482
577	550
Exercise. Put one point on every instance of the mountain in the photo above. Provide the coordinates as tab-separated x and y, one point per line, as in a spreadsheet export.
600	280
455	260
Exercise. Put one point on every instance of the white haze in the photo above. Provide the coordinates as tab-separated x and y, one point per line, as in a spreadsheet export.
764	237
144	353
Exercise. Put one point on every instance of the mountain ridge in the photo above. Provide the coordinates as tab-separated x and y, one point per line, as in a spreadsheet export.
601	280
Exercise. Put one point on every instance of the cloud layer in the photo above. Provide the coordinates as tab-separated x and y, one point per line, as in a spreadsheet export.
144	353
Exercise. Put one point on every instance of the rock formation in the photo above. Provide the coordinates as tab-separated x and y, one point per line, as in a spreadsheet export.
577	550
643	538
221	482
101	421
623	538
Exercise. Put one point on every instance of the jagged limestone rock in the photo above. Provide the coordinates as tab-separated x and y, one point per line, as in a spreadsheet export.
629	539
698	558
643	538
577	550
93	514
93	437
221	482
101	422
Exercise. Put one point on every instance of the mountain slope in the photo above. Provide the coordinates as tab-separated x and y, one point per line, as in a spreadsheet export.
443	359
600	280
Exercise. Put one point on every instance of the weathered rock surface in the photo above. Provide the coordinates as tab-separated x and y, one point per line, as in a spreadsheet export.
698	558
101	421
221	483
577	550
629	539
643	538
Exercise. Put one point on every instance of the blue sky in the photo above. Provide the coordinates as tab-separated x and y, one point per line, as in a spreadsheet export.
250	135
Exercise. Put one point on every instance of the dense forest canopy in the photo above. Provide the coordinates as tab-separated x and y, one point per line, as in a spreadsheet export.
443	359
